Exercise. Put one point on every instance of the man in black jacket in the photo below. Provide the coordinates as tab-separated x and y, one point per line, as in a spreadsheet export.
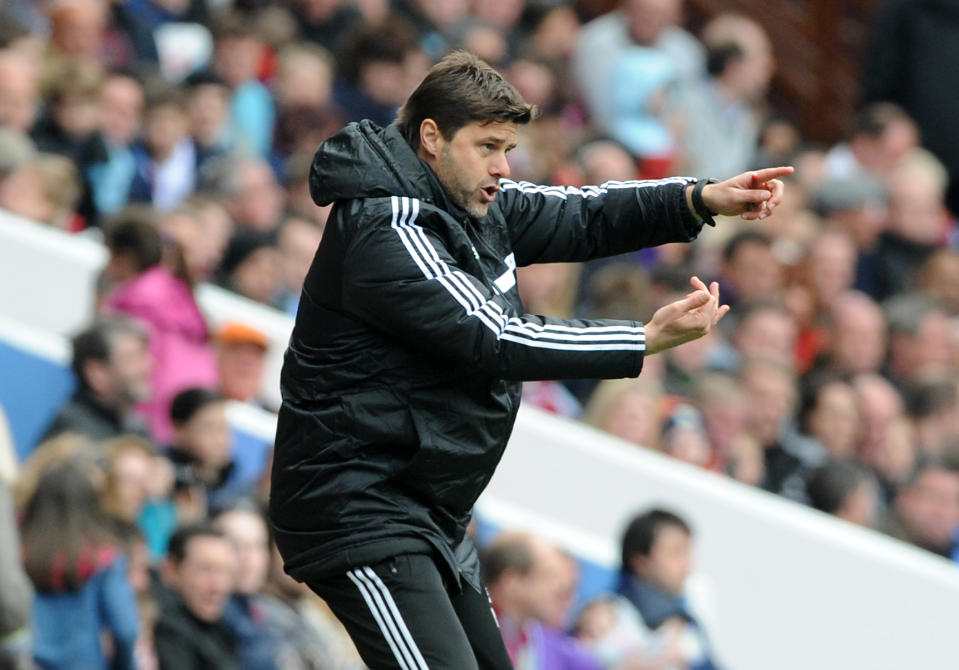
402	379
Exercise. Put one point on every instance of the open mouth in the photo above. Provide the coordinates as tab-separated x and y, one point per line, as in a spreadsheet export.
489	192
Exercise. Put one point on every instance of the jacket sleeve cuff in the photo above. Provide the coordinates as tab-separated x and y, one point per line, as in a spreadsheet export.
691	221
639	354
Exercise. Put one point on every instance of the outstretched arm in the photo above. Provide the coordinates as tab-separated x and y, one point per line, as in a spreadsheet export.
562	223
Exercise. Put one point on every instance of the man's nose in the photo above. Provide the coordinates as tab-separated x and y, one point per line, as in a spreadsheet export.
500	166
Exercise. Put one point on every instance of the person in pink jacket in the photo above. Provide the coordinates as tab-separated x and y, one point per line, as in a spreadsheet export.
162	299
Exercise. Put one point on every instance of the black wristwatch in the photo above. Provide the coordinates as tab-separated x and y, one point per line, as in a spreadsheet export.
699	206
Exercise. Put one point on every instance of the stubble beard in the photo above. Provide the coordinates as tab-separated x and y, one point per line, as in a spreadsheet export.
463	195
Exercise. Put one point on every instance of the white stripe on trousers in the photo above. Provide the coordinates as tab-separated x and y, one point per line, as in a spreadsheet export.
388	618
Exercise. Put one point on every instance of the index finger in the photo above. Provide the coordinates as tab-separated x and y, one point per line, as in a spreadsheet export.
766	174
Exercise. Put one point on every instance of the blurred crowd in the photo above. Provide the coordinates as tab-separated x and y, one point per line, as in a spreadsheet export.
180	133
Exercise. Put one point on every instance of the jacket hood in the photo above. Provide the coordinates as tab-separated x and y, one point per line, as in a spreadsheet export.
366	161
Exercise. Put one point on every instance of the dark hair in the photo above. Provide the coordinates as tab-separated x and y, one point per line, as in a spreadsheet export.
133	231
874	119
512	552
458	90
810	390
187	403
64	529
640	535
388	41
743	238
95	343
180	540
830	485
719	57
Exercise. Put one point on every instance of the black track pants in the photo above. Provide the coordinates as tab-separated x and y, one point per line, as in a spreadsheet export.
401	617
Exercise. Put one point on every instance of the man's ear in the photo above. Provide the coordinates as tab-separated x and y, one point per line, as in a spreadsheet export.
168	573
431	139
97	375
638	565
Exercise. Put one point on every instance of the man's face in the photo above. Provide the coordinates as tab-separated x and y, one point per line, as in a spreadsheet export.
669	560
471	164
129	368
205	577
207	435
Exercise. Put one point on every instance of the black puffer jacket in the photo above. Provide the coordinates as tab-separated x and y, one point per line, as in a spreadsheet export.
402	378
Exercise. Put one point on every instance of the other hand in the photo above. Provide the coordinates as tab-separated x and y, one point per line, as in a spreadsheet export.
687	319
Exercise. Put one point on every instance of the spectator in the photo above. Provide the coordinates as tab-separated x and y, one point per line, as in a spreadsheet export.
531	586
627	409
656	561
918	223
372	68
239	52
77	29
685	437
829	418
199	571
70	122
249	190
325	23
298	240
166	161
927	508
719	117
857	206
643	23
882	134
245	613
111	365
208	110
306	114
858	335
771	397
750	270
19	91
895	458
163	301
933	405
133	475
830	267
880	404
846	490
252	266
122	100
201	228
722	401
939	279
241	355
765	329
45	189
918	338
79	574
202	445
